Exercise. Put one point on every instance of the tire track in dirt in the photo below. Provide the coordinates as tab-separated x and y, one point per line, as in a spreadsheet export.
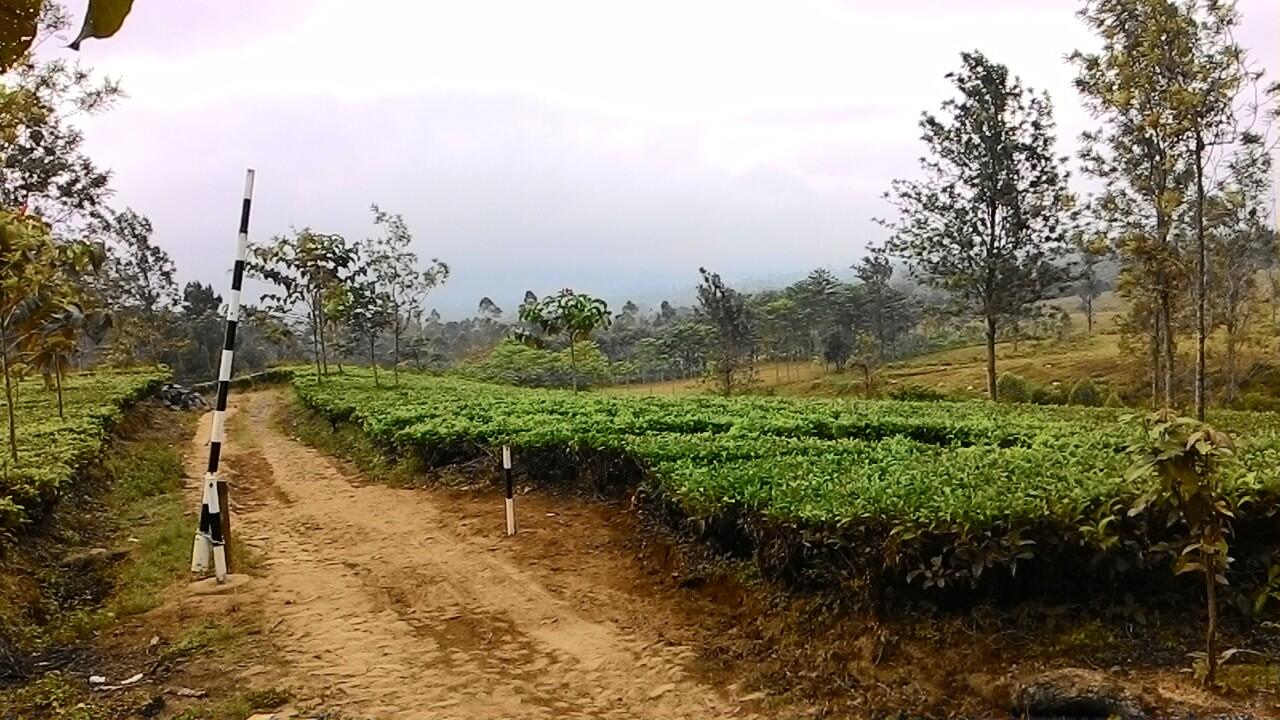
384	608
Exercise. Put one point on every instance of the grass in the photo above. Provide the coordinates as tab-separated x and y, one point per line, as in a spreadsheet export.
961	372
239	706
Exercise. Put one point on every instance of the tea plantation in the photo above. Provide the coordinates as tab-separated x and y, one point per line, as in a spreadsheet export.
933	495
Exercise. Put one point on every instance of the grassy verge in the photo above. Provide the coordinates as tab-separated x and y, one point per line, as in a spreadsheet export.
86	589
349	442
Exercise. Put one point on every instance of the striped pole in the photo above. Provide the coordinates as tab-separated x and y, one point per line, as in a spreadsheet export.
215	511
511	502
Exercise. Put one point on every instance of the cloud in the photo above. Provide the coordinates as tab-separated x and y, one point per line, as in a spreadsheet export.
612	147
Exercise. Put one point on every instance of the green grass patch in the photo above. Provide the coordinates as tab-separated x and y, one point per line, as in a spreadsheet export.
147	494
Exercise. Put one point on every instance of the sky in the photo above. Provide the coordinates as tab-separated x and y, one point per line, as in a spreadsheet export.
612	147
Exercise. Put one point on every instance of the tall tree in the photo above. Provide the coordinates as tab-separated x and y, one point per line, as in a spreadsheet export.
1137	84
367	311
1240	246
402	282
572	314
987	223
1091	249
138	285
1218	73
725	311
40	278
887	311
43	168
307	267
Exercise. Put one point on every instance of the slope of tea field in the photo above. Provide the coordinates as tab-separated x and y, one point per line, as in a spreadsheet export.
52	449
934	494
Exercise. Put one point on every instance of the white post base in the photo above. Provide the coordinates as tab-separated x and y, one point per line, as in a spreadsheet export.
511	516
220	562
201	549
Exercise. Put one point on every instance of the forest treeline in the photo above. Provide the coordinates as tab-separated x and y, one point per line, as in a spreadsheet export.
1179	220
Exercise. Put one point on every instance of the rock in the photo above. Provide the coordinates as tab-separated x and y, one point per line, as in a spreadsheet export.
176	397
1073	692
94	559
153	707
661	690
211	586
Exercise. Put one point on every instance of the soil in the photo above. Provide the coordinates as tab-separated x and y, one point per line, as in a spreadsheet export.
366	600
404	603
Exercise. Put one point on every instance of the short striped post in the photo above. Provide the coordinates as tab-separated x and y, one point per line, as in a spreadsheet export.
511	502
215	510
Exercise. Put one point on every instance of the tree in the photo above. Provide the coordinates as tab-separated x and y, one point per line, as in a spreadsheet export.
987	223
489	310
1188	458
138	284
24	20
39	278
367	311
724	310
58	335
1218	73
1240	245
203	327
1091	249
1136	85
689	341
775	325
866	353
308	268
43	169
399	277
814	299
574	315
887	311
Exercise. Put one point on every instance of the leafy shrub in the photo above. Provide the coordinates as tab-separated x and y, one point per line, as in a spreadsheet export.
1013	388
1260	402
1084	392
1047	394
514	363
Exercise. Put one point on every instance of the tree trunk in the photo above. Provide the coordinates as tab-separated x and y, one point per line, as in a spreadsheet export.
1232	381
1201	280
324	348
991	356
573	364
395	354
57	379
8	394
315	343
1166	320
373	362
1275	292
1155	360
1209	559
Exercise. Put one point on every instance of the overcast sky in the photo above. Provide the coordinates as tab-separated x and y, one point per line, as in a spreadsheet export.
611	147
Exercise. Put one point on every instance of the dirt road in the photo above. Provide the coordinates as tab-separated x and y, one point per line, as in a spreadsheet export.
411	603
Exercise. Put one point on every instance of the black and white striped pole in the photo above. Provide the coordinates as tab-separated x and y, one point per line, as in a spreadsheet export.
511	501
215	517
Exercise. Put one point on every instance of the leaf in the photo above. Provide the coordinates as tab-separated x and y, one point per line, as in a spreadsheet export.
18	23
103	19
